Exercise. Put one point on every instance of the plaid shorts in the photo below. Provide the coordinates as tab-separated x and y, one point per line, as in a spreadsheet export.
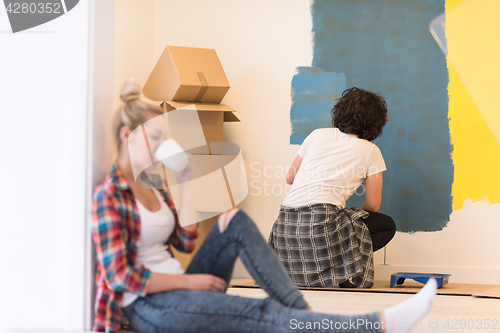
322	245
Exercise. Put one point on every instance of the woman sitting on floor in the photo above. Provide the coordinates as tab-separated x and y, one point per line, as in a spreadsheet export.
319	241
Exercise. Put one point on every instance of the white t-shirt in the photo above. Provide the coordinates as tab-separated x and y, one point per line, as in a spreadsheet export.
156	228
334	165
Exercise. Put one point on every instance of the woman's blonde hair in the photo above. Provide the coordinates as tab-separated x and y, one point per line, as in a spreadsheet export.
132	112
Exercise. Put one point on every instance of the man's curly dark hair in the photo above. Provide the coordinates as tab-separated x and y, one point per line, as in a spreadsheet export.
360	112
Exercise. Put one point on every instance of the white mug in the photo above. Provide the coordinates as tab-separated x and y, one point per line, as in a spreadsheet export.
172	155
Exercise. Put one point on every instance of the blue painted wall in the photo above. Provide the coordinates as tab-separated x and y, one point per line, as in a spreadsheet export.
385	46
313	92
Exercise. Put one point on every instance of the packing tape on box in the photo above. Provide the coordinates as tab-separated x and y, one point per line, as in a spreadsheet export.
203	89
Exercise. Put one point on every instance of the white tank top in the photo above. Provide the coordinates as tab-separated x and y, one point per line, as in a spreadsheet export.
156	228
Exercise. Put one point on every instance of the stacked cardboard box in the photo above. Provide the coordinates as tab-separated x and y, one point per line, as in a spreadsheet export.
187	78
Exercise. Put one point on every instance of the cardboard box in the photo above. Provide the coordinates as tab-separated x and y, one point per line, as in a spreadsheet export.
208	192
219	168
212	117
187	74
214	193
220	178
218	184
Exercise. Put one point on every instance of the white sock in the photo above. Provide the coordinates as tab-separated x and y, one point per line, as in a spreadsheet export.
404	316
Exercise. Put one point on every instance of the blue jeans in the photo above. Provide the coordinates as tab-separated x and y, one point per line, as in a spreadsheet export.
284	310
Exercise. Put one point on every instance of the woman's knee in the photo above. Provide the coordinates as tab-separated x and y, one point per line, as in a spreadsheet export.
229	214
238	219
391	225
387	222
225	219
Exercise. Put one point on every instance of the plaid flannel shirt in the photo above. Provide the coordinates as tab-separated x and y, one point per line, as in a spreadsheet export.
116	229
322	245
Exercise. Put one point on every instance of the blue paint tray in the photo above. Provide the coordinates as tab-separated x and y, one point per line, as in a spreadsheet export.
399	278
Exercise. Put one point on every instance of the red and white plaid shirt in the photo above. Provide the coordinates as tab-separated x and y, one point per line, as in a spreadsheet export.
116	230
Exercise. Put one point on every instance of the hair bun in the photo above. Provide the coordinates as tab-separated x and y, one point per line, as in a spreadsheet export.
130	91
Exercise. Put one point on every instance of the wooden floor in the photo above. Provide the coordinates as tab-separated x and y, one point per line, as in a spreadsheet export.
449	313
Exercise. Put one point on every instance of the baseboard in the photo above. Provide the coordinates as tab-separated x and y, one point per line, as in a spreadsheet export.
473	275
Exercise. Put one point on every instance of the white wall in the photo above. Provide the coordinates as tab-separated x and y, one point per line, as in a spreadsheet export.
260	43
101	151
467	248
103	89
133	43
44	94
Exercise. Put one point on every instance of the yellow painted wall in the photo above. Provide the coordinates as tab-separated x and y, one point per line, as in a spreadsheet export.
476	152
